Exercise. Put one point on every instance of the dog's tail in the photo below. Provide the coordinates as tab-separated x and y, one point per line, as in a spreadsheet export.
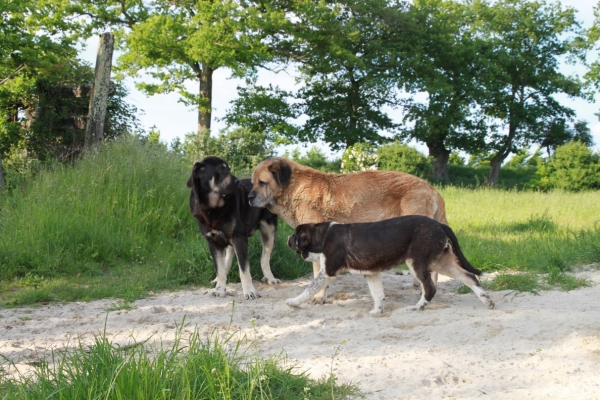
464	263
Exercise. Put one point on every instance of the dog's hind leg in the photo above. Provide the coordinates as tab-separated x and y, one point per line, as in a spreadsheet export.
222	259
376	288
318	283
267	237
428	289
449	266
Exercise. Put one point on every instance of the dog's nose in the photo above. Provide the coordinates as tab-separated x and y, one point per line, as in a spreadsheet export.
251	195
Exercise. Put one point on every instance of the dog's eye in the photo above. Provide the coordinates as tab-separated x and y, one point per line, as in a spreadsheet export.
261	183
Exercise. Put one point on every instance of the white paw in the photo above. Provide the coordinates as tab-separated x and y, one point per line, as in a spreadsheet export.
271	281
292	302
376	311
251	295
219	291
319	300
213	282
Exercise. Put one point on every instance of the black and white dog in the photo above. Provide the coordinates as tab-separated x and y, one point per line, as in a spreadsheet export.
219	201
425	245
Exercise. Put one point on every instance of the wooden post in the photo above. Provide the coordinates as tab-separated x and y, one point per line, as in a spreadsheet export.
94	130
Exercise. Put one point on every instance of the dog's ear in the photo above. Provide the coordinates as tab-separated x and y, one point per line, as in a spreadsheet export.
318	233
196	172
281	171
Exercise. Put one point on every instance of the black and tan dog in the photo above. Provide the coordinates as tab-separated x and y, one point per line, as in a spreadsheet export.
425	245
219	201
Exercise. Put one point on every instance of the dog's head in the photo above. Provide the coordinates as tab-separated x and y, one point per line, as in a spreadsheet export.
307	239
269	180
212	182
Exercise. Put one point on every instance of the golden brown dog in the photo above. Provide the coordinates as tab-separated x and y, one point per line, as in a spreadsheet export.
302	195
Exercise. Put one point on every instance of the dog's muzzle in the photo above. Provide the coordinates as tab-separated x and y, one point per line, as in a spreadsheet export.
255	200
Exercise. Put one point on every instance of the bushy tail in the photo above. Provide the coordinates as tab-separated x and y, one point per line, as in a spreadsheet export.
466	265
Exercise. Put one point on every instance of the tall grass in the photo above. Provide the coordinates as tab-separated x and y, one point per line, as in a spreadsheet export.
526	231
117	224
218	367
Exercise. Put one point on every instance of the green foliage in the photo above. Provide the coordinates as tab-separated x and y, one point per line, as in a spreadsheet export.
525	75
359	157
217	367
121	203
264	109
242	148
572	167
315	158
447	66
456	159
115	224
397	156
348	55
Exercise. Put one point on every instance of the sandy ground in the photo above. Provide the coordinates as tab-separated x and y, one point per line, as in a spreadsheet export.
528	347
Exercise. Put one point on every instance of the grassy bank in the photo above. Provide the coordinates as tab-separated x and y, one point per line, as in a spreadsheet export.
218	367
117	224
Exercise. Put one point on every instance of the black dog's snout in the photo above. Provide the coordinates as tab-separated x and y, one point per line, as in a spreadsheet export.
251	195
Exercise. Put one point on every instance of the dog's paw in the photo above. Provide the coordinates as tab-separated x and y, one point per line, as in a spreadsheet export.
218	292
318	300
251	295
418	307
292	302
487	301
376	311
213	282
270	281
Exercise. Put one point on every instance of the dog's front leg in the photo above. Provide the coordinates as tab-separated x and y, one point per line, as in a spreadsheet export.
376	288
222	258
267	236
320	282
320	296
240	245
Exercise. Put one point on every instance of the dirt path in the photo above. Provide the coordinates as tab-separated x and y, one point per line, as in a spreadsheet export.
529	346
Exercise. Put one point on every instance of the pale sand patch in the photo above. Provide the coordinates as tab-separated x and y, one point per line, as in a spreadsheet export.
529	346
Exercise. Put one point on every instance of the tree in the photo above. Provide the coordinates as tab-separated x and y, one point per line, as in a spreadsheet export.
185	40
345	54
527	41
447	66
558	132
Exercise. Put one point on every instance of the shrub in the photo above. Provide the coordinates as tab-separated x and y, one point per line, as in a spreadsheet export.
359	157
572	167
398	156
315	158
241	148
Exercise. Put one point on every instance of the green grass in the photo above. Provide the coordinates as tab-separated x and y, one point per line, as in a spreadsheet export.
223	366
525	231
117	225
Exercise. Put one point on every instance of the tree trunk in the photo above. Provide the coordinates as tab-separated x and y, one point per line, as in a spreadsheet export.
440	157
205	106
2	182
94	131
496	162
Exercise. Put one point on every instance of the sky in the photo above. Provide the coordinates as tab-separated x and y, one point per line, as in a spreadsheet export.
174	119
